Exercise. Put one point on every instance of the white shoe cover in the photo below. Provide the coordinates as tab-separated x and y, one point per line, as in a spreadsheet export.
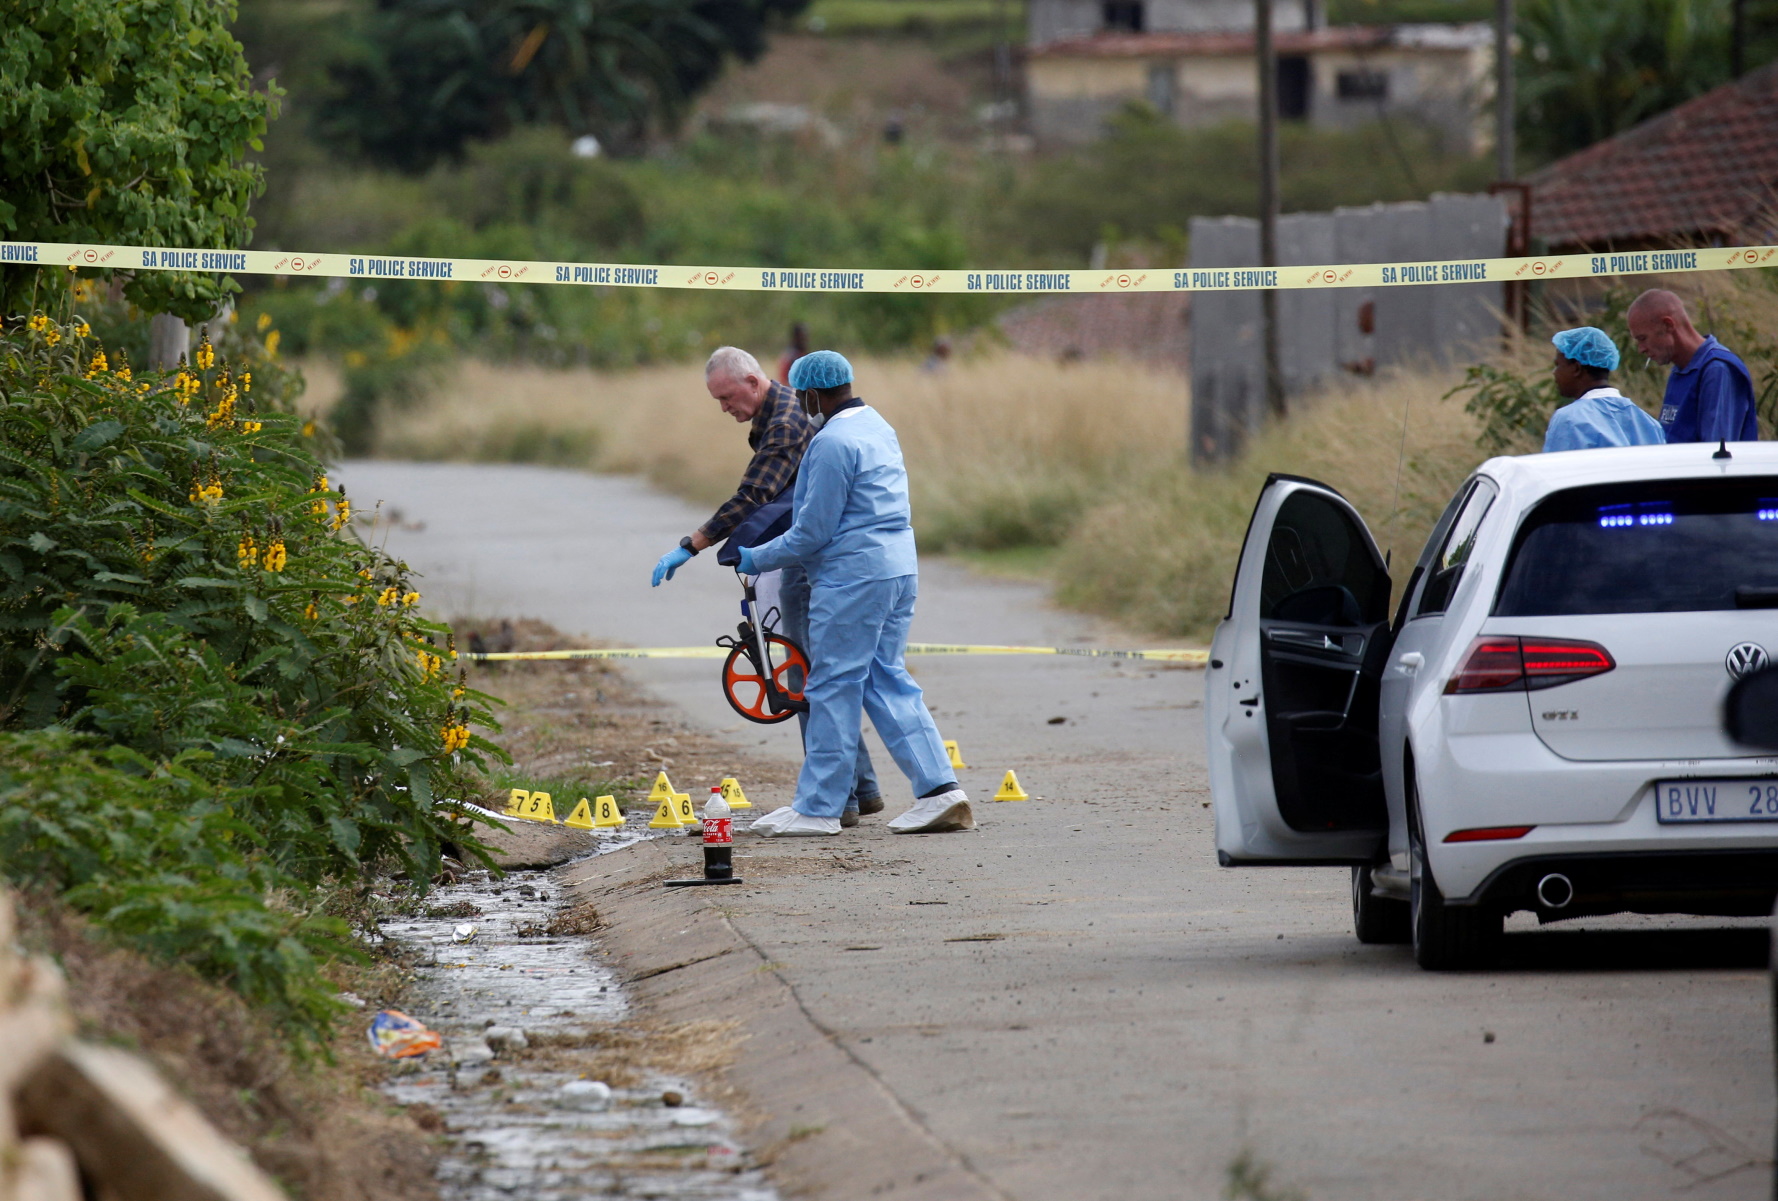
768	823
796	825
941	814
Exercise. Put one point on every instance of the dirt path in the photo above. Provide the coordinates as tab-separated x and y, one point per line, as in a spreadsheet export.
1075	1001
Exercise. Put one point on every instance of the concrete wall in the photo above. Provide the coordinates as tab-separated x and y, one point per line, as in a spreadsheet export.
1050	20
1070	97
1319	334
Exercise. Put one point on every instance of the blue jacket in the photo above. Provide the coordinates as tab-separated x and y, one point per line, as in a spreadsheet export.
1602	417
851	521
1710	398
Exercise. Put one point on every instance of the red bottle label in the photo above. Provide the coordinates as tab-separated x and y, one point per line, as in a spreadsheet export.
718	830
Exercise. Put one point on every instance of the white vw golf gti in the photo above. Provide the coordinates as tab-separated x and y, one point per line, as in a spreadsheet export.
1537	725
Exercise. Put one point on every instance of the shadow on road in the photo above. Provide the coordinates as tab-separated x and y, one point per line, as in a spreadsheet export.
1635	950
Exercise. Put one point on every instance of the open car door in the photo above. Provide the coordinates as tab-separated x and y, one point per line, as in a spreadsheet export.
1291	690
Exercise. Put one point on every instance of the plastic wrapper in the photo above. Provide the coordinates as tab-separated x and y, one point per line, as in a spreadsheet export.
395	1035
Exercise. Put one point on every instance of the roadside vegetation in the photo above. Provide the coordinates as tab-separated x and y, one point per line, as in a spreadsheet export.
221	710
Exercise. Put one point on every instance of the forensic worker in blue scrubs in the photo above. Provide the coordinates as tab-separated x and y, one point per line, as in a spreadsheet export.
851	531
1709	392
1600	415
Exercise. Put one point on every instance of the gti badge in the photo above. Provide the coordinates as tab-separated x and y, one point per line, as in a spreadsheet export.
1745	658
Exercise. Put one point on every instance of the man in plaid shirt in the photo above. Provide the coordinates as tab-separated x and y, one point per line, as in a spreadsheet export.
779	432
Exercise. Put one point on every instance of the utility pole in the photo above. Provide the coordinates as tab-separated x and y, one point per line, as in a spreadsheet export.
1505	168
1268	199
1738	39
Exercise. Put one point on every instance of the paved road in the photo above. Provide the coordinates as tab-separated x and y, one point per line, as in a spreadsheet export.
1143	1017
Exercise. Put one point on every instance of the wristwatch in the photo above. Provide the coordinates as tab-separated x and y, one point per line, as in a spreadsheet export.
686	546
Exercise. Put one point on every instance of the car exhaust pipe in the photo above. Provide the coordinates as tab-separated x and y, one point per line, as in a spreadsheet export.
1555	891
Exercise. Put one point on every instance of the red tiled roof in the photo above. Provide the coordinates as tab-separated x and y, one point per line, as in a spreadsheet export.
1707	169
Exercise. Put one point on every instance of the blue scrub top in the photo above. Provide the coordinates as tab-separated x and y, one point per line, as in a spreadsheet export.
1710	398
851	522
1602	417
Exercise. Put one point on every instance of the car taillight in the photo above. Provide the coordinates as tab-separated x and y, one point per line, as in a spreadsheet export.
1505	663
1489	833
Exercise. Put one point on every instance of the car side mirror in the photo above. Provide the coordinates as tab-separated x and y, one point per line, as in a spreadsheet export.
1750	713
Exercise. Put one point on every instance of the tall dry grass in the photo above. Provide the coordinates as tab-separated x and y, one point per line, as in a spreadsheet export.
1002	451
1160	554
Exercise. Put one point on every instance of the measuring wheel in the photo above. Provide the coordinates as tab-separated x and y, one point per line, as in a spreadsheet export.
747	688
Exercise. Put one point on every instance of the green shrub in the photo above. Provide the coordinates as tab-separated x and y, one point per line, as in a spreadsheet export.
178	581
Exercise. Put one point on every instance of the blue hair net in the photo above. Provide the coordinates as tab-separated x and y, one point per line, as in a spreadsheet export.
820	369
1587	346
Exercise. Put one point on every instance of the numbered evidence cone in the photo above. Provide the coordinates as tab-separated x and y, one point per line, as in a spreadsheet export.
731	792
719	845
666	817
601	814
688	816
662	790
532	806
1010	790
955	755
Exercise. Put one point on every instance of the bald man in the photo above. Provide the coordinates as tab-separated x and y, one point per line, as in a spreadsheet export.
1709	392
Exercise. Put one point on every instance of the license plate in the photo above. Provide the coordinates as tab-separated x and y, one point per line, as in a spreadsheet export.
1687	802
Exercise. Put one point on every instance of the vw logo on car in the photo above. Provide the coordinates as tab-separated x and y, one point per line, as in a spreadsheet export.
1745	658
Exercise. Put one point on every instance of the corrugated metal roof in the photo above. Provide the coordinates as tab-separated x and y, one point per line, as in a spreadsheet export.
1703	171
1336	37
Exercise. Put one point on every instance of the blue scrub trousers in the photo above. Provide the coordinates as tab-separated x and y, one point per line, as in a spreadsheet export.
858	634
793	621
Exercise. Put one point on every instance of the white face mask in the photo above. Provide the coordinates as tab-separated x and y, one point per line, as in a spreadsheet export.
818	420
811	409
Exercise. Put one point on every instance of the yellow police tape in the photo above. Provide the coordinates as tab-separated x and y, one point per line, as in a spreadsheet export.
1194	658
905	282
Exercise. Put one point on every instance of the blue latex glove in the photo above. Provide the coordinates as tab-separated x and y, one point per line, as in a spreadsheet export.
747	567
670	562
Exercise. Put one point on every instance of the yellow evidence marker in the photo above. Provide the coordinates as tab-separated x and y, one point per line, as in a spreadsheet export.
667	816
731	792
532	806
662	790
606	814
582	817
956	755
1010	790
688	816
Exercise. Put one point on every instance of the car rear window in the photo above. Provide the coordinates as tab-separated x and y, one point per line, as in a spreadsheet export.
1674	546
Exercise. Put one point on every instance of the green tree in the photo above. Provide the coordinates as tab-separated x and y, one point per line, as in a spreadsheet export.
426	77
125	121
1588	70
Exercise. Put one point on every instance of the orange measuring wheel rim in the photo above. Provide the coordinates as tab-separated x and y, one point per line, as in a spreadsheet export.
745	686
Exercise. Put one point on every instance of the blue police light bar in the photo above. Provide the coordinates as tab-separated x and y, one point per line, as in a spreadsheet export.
1768	509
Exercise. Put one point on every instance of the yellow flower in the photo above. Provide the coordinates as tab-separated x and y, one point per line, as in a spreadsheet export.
99	365
51	336
276	556
410	599
83	330
388	596
308	429
429	664
38	323
342	512
455	737
246	551
311	612
251	427
265	320
458	692
206	356
206	493
271	343
246	381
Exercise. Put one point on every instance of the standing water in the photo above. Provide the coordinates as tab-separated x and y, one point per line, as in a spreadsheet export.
522	1128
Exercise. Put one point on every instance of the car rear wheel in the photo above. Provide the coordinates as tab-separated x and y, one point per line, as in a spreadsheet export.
1379	921
1446	937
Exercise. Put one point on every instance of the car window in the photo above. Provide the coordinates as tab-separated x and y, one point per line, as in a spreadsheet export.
1664	546
1320	569
1445	571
